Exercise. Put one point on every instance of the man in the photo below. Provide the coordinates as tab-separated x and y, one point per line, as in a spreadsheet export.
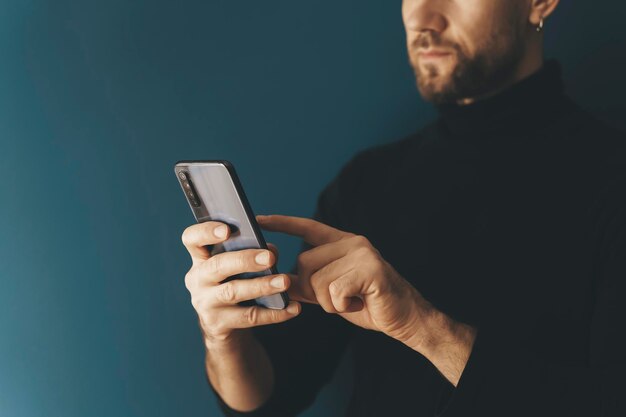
475	268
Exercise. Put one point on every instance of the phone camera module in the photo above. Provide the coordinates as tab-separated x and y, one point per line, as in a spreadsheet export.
188	188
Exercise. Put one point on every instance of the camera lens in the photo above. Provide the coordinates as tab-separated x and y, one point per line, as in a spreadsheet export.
182	175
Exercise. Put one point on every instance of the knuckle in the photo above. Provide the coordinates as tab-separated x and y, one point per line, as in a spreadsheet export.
227	292
363	251
271	315
251	315
276	315
374	266
188	281
214	264
198	304
335	288
210	321
361	240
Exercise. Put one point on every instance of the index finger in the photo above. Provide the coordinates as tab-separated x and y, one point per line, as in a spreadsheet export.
197	236
311	231
301	290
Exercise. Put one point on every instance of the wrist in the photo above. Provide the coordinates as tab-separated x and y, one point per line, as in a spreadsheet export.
437	330
234	341
418	336
428	330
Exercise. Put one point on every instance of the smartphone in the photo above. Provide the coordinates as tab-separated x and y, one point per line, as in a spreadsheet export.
214	193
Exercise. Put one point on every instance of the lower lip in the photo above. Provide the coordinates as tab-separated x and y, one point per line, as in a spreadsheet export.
433	55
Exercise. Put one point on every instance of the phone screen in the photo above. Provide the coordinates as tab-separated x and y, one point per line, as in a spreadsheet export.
214	193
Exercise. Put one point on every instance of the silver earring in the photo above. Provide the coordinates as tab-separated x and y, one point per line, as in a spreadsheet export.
540	27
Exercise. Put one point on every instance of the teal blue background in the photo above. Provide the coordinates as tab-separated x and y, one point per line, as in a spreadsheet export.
98	99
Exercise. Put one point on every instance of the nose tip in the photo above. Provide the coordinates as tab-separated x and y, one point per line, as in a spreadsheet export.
424	17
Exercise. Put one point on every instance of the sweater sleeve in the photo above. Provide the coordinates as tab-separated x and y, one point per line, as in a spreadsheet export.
503	378
305	350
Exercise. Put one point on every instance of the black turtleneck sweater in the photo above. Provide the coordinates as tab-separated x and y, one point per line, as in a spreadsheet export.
508	214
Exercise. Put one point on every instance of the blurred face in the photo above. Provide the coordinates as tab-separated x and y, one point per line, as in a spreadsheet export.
464	48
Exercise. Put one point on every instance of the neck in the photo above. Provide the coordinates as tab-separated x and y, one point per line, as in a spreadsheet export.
525	105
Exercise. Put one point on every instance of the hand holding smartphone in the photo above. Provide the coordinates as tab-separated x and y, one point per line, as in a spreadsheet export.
215	194
225	275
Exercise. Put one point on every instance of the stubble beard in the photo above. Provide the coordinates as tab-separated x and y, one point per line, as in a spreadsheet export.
491	67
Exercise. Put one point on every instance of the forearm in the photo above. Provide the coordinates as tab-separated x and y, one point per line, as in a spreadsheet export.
240	371
446	343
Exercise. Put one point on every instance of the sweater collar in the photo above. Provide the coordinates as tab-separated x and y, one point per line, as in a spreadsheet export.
524	105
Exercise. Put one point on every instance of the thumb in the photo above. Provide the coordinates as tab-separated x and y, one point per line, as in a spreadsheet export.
274	250
300	291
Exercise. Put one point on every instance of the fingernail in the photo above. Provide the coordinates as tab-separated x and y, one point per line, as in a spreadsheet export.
292	308
261	217
277	282
262	258
220	231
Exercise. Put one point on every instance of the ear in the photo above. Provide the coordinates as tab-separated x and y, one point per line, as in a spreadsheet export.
541	9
